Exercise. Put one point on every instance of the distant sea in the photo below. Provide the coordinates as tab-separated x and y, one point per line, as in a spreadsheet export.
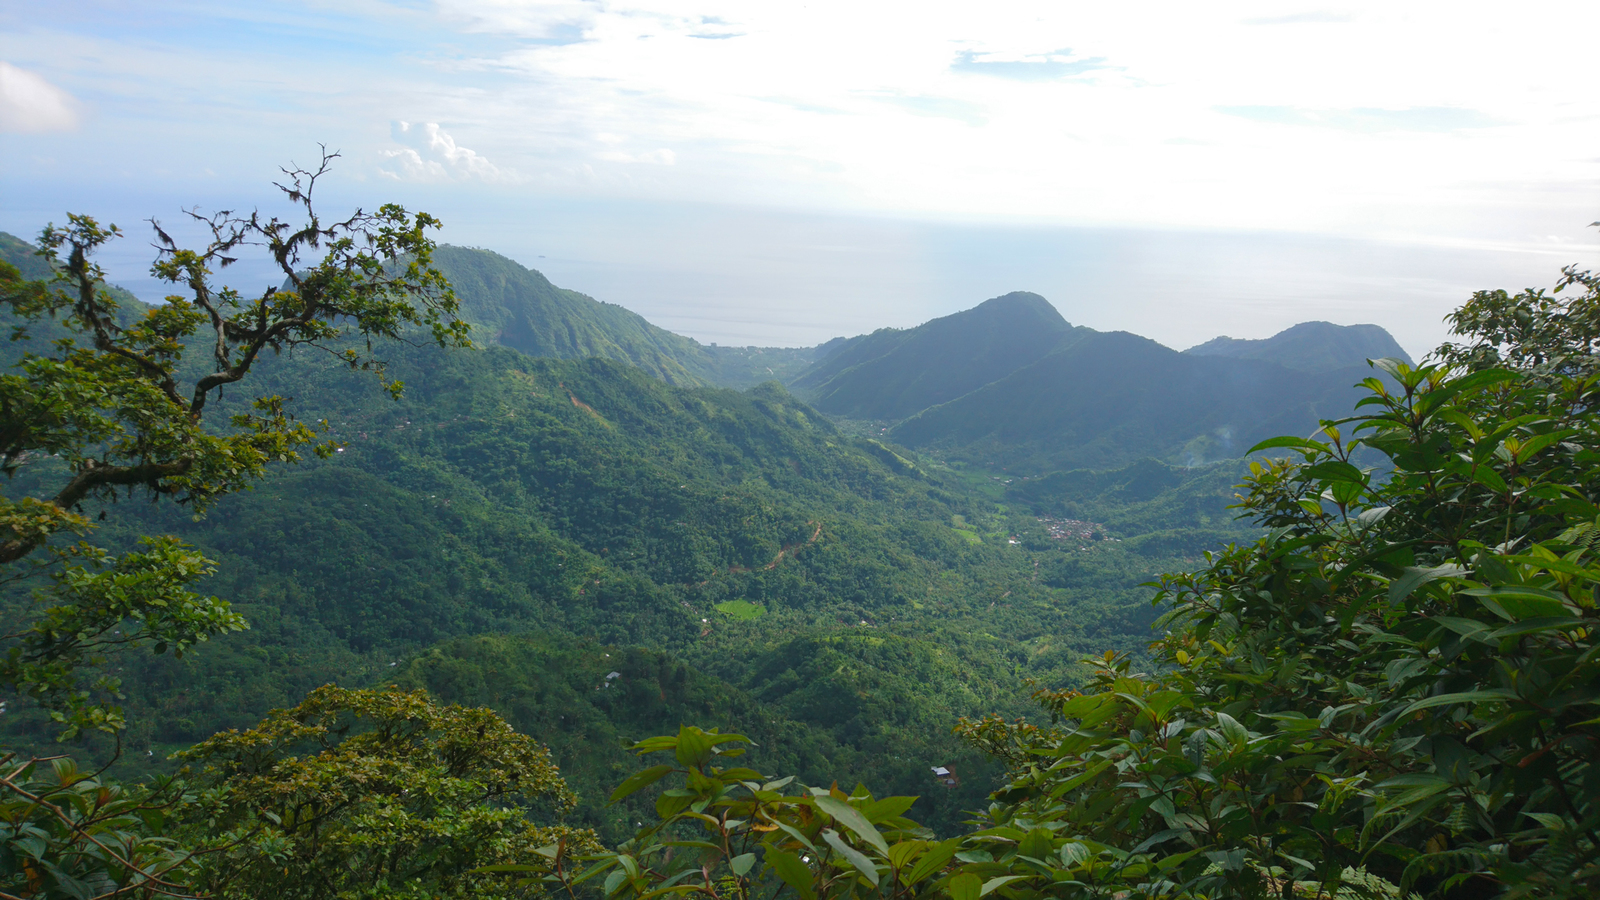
740	276
800	280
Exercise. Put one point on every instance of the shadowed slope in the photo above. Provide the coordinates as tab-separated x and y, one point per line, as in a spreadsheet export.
1310	347
1103	399
892	374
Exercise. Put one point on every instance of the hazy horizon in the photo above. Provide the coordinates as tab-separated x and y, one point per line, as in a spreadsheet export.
785	173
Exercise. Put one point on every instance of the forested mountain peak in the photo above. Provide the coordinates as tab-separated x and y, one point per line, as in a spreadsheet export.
1311	346
894	373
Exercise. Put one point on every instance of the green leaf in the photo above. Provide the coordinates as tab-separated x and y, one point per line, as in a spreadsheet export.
694	747
903	852
1294	442
1488	696
1416	576
1335	470
887	808
1081	778
851	818
670	803
966	886
794	873
655	744
1489	478
937	857
638	781
1003	880
856	858
1536	625
741	864
1518	602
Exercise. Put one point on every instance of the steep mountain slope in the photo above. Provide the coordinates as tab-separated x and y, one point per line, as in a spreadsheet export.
831	581
20	253
892	374
519	308
1310	347
1103	399
526	517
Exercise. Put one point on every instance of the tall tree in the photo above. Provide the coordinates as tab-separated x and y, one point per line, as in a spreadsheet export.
118	407
110	400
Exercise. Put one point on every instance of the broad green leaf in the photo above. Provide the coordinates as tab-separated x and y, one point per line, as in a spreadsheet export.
851	818
1293	442
887	808
930	863
1520	602
653	744
1489	696
1335	470
903	852
966	886
741	864
1416	576
794	873
1081	778
1002	881
856	858
694	746
638	781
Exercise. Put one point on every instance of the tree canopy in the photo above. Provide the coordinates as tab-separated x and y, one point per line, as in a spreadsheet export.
116	405
1393	692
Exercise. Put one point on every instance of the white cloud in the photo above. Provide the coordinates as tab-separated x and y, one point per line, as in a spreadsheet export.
30	104
1362	116
1367	119
431	154
659	157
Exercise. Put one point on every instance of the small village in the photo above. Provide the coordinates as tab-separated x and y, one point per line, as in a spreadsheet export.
1072	529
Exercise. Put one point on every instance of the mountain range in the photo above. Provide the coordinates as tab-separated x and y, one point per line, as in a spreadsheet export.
577	501
1008	383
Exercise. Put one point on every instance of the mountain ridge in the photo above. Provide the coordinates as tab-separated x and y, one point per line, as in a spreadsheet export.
893	373
1314	346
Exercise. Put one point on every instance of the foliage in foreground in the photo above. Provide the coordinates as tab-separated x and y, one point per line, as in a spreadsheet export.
373	794
106	401
1400	676
1394	691
728	831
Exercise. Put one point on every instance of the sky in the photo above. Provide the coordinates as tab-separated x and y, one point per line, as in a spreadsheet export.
784	172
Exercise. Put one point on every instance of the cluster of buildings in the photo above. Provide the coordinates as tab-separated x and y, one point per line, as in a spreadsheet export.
1072	529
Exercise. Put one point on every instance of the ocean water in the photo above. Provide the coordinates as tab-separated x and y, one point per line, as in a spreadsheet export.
744	279
743	276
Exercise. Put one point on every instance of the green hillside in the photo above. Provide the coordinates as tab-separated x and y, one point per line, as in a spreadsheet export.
892	374
519	308
1311	347
835	583
1102	399
516	528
